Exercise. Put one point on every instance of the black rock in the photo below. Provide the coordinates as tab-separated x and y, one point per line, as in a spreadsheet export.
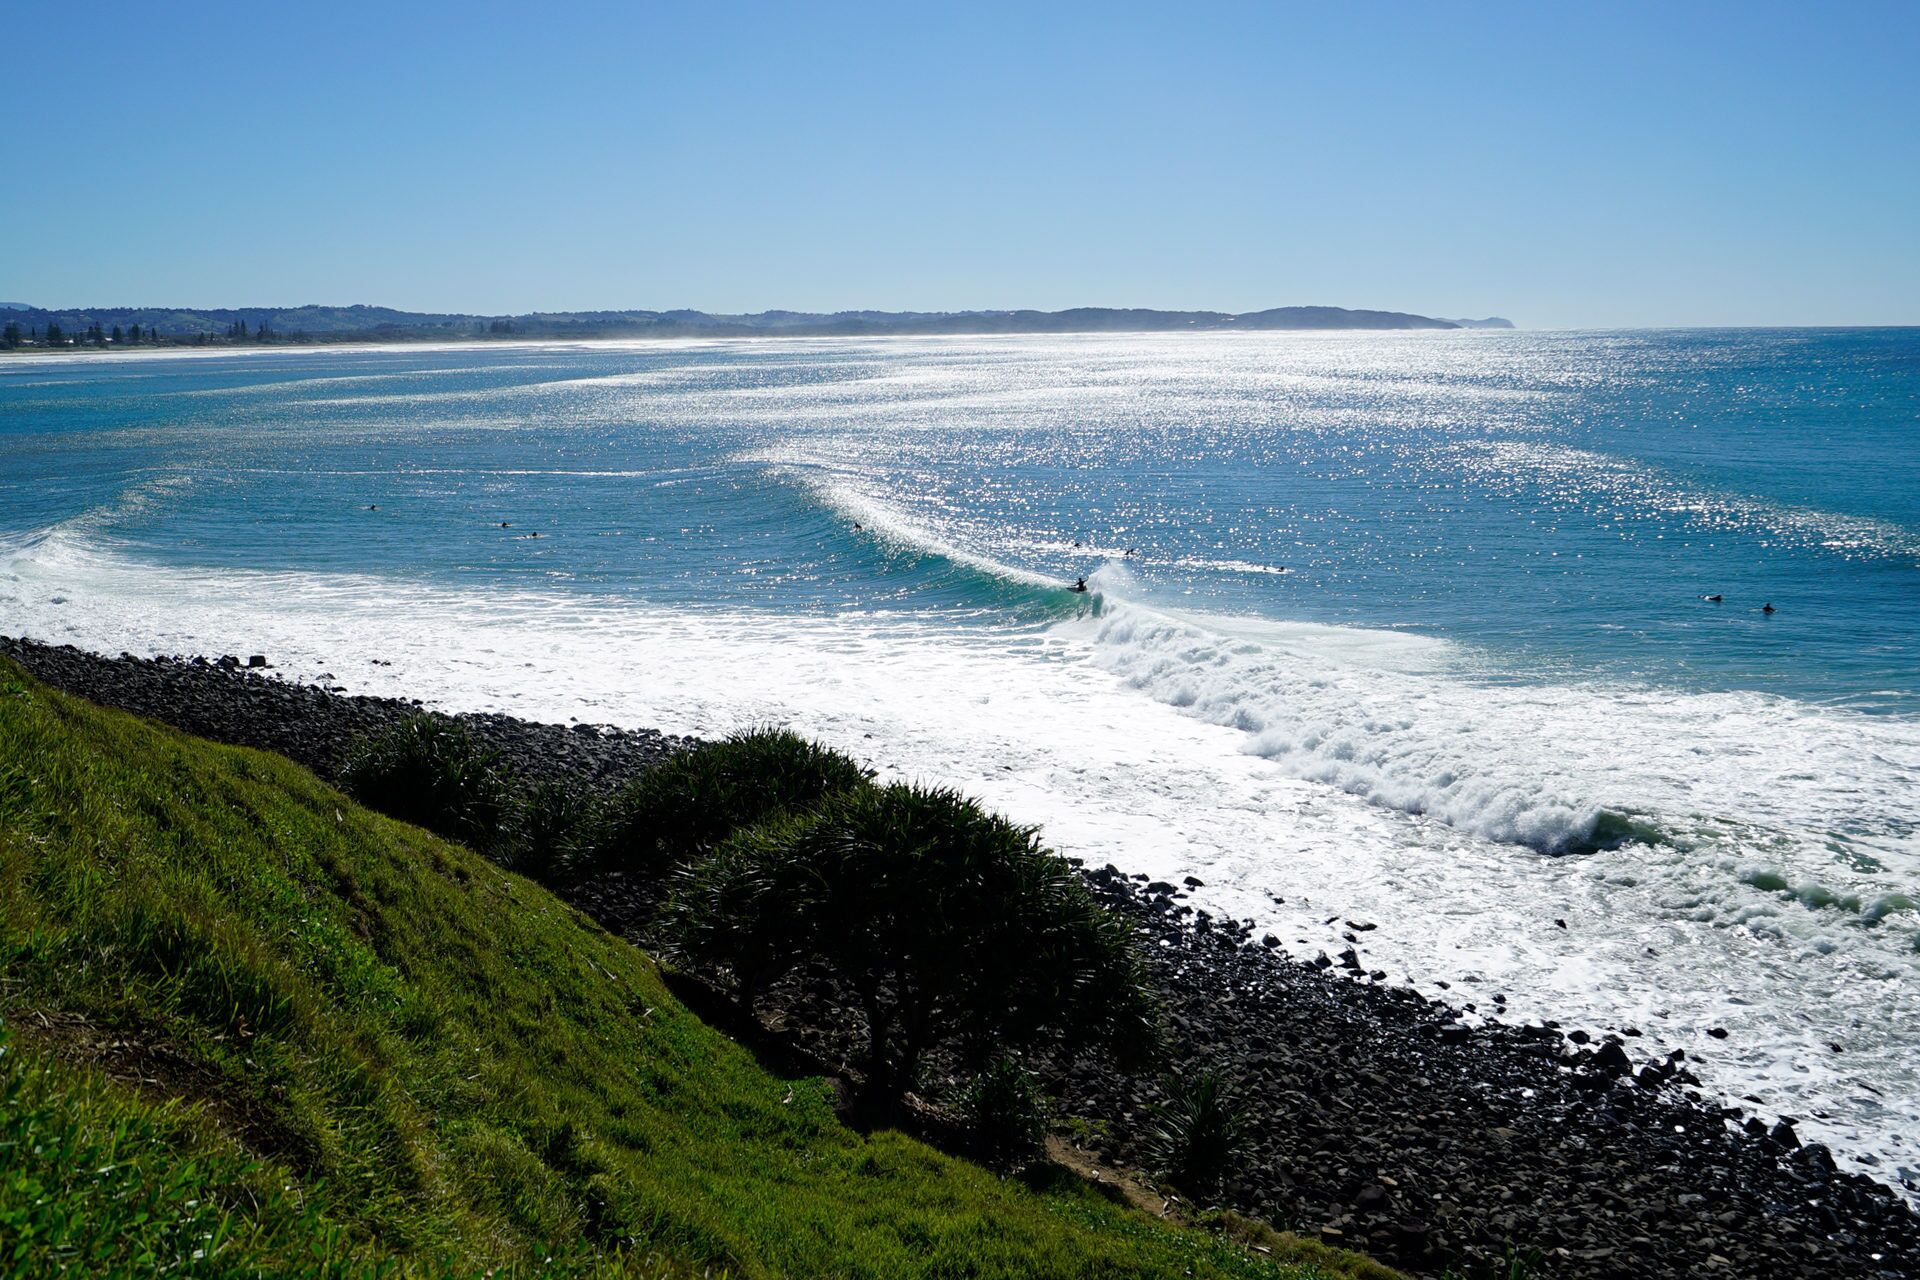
1612	1059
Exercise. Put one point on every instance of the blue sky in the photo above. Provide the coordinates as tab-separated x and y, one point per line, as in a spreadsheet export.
1596	164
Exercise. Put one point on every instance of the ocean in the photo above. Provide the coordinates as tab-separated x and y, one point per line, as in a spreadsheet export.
1461	635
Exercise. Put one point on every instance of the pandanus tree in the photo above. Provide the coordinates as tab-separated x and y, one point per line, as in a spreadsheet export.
950	925
693	801
741	908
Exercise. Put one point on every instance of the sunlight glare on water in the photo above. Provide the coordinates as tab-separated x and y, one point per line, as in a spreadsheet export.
1410	626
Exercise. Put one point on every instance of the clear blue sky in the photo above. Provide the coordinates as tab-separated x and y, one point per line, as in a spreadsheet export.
1564	164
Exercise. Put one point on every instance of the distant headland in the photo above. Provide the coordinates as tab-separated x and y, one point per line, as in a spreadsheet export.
29	327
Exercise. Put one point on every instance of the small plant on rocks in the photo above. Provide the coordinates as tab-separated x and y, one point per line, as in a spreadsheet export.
1517	1265
1006	1112
1197	1134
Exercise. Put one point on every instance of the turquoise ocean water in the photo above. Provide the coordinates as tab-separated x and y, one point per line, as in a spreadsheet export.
1413	626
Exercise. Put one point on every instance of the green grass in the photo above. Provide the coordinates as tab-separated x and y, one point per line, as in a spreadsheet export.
254	1028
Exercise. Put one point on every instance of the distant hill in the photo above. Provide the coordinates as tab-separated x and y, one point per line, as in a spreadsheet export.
335	324
15	306
1491	322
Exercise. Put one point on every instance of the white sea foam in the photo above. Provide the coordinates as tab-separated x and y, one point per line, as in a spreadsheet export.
1176	745
1540	765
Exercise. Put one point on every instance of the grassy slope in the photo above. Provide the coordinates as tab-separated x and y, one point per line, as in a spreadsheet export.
397	1055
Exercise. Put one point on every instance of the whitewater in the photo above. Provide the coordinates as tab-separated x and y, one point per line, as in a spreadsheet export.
1403	630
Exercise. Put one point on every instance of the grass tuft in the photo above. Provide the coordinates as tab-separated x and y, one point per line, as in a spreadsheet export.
951	926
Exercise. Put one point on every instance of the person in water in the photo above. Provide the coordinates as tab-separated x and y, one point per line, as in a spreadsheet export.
1079	585
1767	607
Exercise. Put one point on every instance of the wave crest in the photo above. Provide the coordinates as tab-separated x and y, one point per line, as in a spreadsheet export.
1560	768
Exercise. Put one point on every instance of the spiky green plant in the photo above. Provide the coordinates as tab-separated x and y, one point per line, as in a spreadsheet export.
555	827
1006	1113
428	770
1195	1136
736	910
695	799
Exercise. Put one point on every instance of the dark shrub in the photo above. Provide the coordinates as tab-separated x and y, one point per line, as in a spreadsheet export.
950	924
557	825
692	801
738	909
1006	1113
429	772
953	923
1195	1137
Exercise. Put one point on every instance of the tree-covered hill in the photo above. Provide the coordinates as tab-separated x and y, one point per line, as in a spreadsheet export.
79	325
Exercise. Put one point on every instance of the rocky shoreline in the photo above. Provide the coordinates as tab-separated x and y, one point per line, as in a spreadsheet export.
1379	1121
227	701
1376	1118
